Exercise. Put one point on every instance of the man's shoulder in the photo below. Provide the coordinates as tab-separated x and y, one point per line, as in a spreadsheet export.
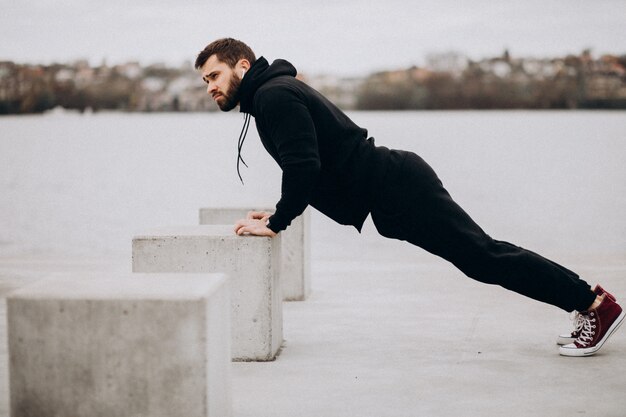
284	85
279	90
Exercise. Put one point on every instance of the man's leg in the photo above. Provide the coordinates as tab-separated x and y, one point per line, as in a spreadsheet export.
413	205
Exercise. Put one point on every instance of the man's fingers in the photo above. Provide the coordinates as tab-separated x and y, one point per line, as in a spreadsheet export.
258	215
255	215
239	224
244	226
249	230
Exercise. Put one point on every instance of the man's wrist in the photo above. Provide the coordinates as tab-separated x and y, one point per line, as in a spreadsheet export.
269	226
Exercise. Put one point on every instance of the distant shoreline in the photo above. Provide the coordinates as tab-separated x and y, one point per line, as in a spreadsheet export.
447	82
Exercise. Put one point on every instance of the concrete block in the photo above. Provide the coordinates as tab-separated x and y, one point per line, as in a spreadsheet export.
251	262
295	267
89	345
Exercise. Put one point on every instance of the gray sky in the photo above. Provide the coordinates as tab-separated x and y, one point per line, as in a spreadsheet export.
317	36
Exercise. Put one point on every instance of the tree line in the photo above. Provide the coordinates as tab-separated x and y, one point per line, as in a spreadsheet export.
447	81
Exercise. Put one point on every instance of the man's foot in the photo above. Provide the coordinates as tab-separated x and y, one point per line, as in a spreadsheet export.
597	325
567	338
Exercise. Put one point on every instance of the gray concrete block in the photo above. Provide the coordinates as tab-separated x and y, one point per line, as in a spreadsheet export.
252	265
95	344
295	262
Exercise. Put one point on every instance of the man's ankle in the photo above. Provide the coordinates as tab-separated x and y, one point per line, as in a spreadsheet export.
596	302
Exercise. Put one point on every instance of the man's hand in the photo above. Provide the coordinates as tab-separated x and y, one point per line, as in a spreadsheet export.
260	215
254	227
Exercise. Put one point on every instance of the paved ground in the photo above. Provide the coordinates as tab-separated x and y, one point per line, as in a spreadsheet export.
421	341
407	338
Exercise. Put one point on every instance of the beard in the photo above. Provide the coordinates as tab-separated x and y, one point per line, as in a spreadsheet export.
231	97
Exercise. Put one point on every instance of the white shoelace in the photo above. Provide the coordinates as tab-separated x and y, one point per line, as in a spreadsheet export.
577	320
587	330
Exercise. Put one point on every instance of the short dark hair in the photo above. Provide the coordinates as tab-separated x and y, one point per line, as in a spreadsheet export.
227	50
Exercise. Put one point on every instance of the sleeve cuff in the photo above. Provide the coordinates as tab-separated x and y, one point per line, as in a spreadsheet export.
274	224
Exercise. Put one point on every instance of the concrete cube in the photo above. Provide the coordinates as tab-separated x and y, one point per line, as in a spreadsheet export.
252	265
295	267
92	345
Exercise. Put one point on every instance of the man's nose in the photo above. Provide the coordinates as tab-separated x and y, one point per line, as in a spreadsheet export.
210	88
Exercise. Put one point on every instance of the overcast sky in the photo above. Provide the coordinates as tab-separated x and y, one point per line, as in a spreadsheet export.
346	37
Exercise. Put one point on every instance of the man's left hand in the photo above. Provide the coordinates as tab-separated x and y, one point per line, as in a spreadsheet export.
254	227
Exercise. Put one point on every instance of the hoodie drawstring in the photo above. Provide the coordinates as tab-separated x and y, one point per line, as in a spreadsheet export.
242	137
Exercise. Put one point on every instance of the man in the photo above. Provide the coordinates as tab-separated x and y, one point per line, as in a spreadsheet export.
328	162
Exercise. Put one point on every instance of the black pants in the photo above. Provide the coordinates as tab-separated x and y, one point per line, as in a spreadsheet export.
413	205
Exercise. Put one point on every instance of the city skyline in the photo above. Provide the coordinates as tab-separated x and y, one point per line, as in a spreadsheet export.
343	38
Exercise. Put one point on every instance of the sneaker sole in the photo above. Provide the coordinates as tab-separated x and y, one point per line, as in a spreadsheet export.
576	351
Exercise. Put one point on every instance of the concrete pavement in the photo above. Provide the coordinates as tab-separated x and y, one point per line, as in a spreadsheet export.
398	337
423	341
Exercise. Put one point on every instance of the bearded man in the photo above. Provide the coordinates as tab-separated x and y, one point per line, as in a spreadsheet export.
328	162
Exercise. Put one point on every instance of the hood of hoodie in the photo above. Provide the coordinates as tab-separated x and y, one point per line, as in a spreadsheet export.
258	74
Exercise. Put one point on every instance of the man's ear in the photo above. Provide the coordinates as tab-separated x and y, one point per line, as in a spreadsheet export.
243	64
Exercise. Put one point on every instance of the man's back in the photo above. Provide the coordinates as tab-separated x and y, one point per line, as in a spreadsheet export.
325	157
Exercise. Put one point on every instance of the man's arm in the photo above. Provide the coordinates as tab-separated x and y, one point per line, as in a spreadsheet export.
285	116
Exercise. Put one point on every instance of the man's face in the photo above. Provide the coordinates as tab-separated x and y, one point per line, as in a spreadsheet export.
222	82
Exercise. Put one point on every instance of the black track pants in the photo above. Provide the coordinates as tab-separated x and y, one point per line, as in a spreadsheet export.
412	205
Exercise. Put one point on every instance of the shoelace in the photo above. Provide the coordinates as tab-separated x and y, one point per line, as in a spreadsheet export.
577	320
587	331
242	137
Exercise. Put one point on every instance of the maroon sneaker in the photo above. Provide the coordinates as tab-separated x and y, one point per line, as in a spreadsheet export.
597	326
567	338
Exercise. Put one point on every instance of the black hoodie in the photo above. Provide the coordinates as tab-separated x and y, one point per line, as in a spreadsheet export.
326	159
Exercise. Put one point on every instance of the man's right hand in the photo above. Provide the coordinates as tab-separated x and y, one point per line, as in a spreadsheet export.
258	215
